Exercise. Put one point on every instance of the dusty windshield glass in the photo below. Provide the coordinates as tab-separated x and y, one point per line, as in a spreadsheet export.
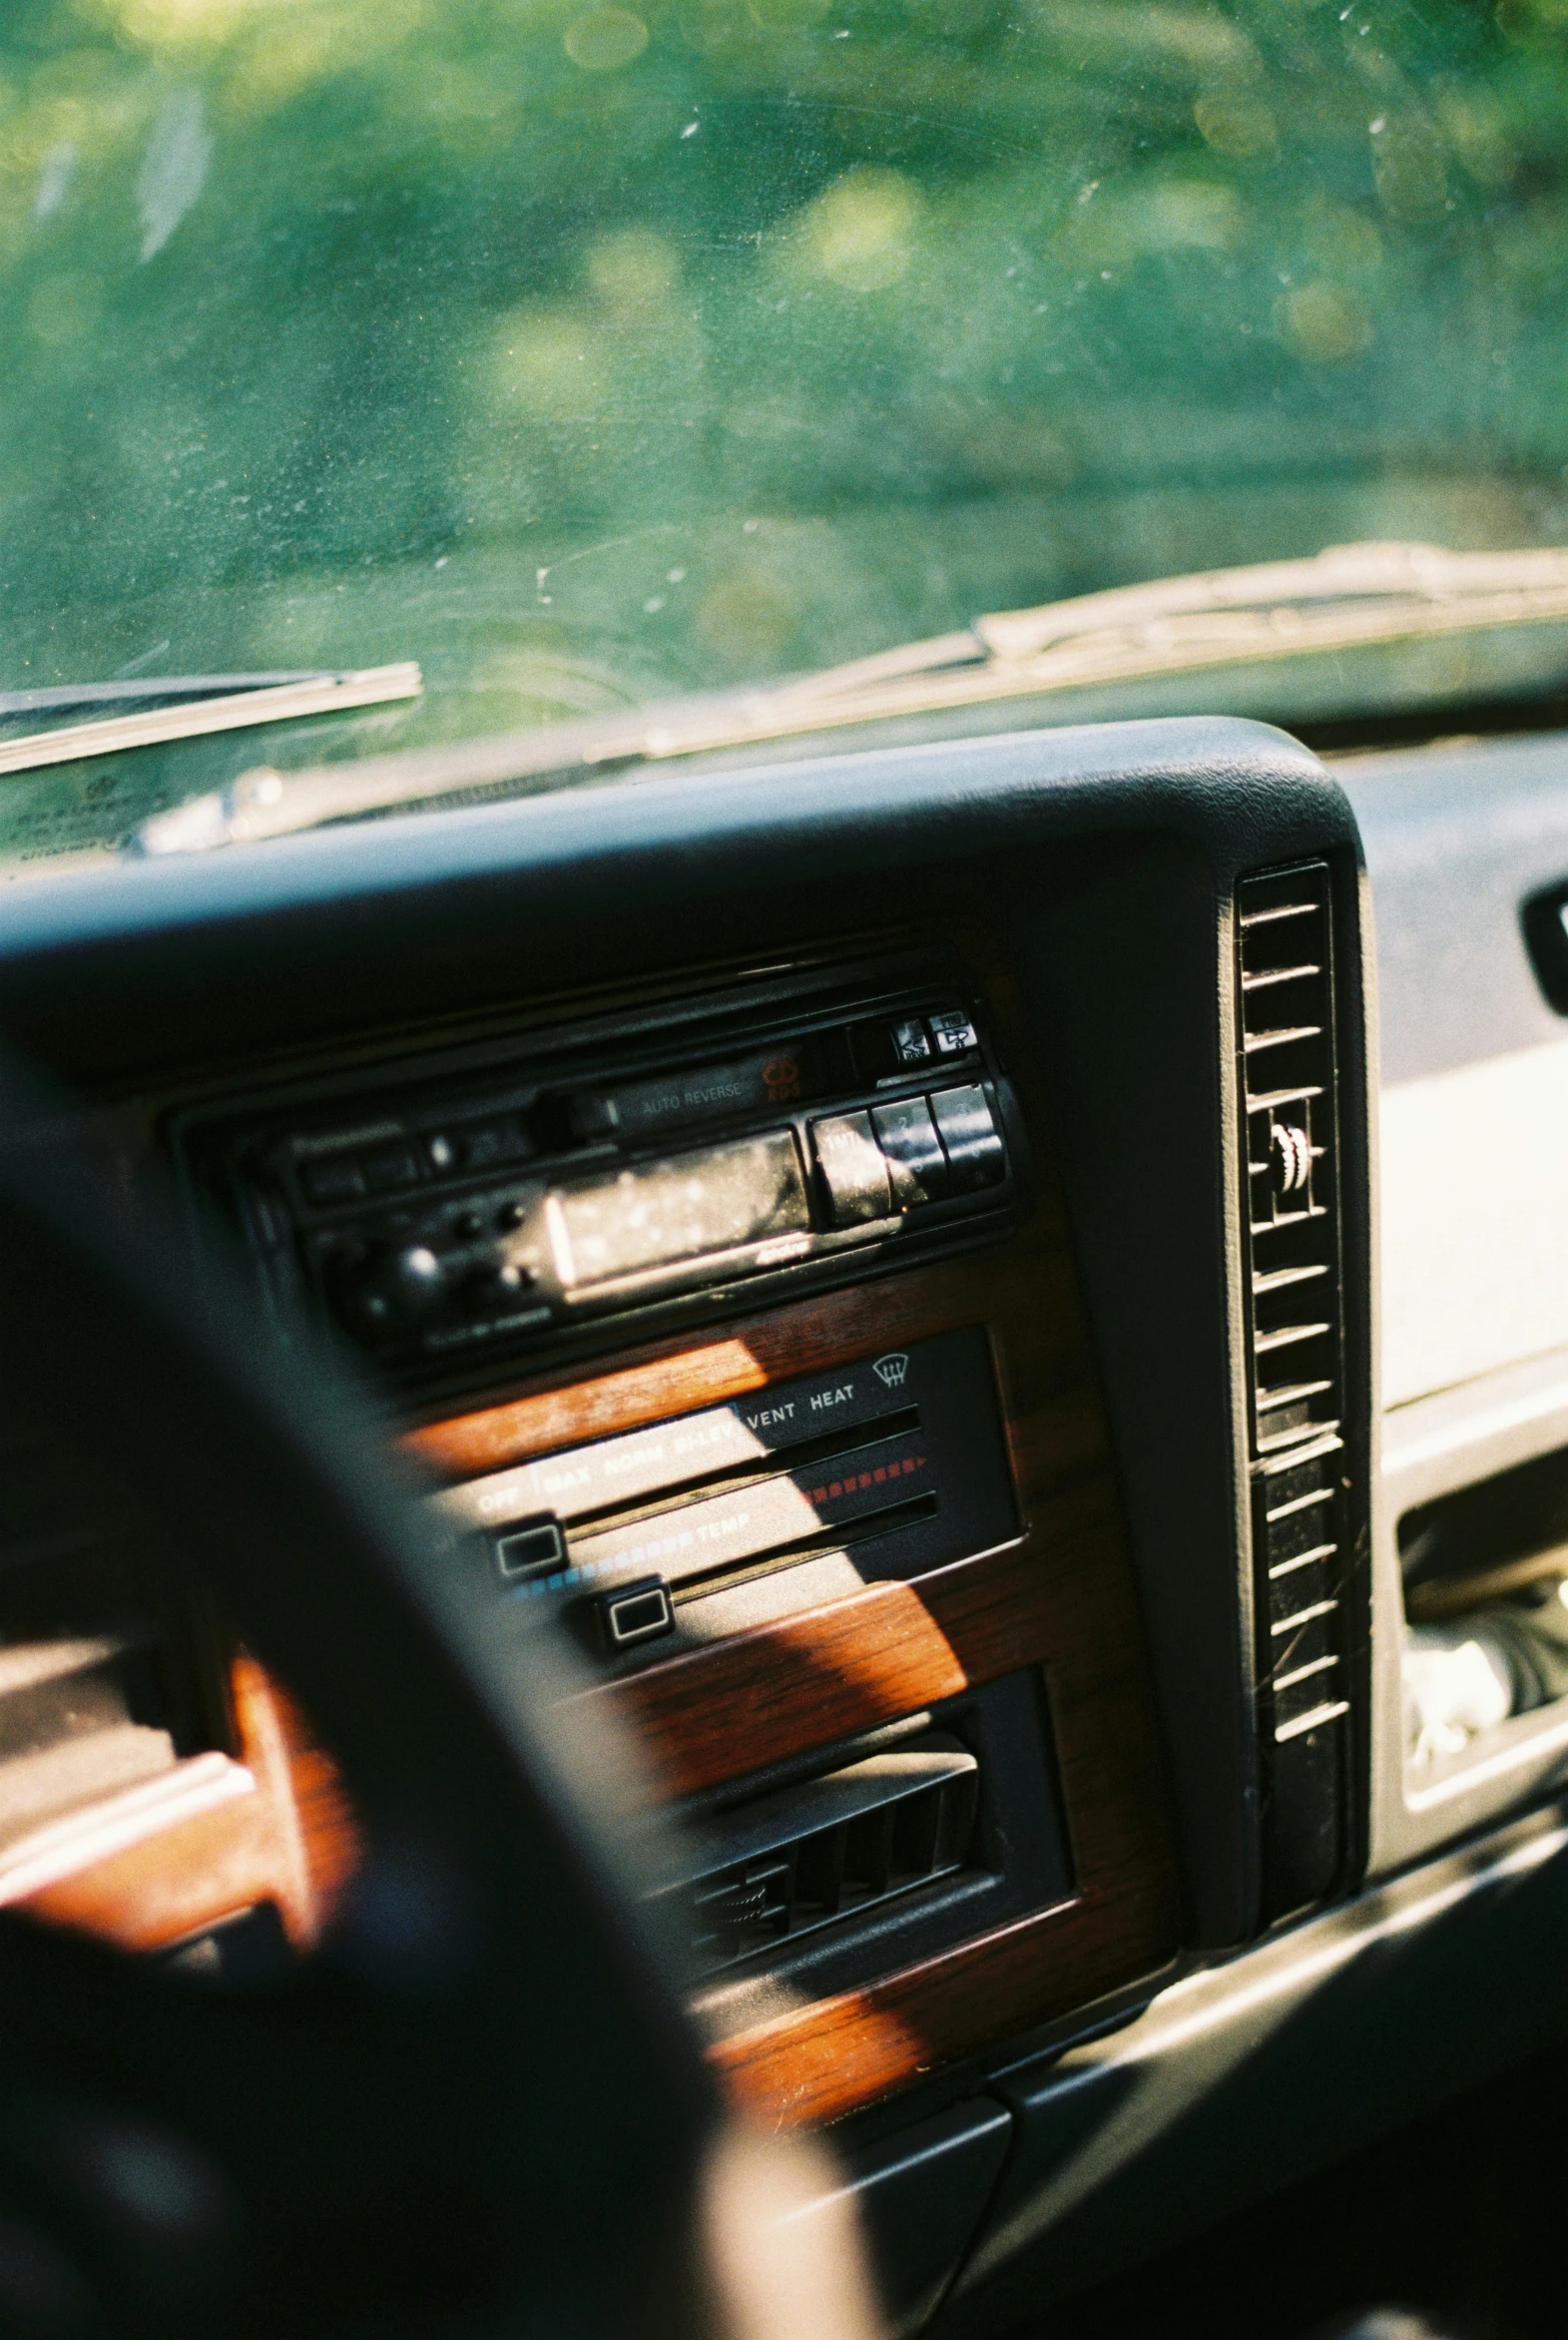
590	352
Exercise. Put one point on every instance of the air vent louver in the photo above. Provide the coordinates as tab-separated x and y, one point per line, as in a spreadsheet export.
829	1850
1296	1373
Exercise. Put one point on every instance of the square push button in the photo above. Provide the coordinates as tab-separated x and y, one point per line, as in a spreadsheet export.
853	1170
530	1549
953	1033
910	1043
913	1151
340	1180
970	1139
636	1612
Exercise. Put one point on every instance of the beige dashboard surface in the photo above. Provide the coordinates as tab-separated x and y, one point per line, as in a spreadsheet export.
1474	1216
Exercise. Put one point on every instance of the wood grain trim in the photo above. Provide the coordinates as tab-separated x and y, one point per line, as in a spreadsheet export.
1077	1618
830	1672
290	1841
1062	1599
816	2064
667	1379
315	1844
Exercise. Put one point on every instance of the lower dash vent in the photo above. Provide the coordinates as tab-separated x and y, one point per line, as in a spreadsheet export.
828	1850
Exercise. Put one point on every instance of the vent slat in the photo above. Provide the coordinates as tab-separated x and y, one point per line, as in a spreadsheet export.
1281	1450
1274	1097
1305	1673
1316	1450
1281	1278
1320	1495
1293	1394
1319	1551
1255	1041
1330	1712
1318	1608
1269	976
1271	918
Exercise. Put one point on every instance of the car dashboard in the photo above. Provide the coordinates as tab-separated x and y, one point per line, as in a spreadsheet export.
906	1263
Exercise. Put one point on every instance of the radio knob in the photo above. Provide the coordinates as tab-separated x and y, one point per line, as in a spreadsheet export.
416	1275
399	1287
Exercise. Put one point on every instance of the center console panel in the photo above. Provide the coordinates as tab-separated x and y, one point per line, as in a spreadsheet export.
854	1570
851	1566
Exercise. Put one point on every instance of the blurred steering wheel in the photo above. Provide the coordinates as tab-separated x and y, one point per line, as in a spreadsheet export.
480	2105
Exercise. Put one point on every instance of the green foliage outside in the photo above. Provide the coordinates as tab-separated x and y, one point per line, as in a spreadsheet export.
591	351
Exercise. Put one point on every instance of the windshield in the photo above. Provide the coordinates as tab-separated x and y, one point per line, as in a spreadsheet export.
591	354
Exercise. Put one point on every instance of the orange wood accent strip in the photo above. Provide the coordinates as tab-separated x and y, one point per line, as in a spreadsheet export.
813	2064
666	1380
314	1846
172	1885
830	1672
291	1843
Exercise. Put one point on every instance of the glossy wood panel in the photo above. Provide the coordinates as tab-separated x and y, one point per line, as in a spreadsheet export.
288	1840
678	1376
830	1672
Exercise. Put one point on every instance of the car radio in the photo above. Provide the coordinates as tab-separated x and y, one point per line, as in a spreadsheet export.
496	1200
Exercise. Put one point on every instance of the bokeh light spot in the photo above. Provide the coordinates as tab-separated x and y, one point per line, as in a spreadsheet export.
605	39
1325	324
1236	122
858	232
633	270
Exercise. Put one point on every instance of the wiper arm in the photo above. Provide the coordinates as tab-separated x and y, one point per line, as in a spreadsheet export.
1346	598
188	708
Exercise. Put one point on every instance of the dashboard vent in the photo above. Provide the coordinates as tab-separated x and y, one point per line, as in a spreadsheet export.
1296	1373
828	1850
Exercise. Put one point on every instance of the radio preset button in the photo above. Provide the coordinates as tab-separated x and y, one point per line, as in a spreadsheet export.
395	1291
488	1142
912	1044
970	1139
854	1169
589	1115
916	1165
338	1181
953	1033
499	1280
390	1167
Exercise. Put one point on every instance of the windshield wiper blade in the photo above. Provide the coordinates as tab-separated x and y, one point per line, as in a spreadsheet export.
1348	597
189	707
56	698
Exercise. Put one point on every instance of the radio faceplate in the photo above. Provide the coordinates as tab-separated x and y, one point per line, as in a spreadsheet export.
471	1207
